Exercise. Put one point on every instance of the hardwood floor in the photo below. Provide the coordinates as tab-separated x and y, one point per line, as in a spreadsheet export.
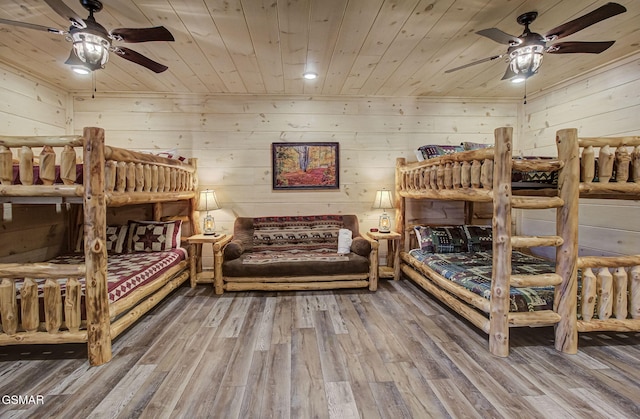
395	353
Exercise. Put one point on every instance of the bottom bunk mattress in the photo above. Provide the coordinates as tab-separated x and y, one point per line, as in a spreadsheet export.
125	271
473	272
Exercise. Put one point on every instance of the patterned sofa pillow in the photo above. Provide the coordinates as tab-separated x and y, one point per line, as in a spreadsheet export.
153	236
445	239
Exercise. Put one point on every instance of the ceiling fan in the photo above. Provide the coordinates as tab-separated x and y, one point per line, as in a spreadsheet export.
525	52
92	42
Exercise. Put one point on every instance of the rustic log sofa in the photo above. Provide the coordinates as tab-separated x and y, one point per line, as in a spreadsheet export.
294	253
95	294
488	295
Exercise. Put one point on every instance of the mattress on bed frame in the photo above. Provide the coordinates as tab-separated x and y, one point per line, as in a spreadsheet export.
473	272
125	271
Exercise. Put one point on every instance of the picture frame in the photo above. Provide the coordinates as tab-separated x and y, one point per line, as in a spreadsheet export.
303	166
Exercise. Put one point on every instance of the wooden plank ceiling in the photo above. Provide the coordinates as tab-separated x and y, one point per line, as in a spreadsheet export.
357	47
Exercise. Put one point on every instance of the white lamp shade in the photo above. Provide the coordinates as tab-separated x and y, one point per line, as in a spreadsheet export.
208	201
383	200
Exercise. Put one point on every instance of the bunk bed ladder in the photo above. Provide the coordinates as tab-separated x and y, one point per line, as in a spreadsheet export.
500	318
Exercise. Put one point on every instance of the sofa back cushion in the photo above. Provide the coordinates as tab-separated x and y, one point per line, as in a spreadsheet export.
307	232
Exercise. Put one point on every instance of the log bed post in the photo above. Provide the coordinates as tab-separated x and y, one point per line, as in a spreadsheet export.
97	300
399	203
565	298
501	226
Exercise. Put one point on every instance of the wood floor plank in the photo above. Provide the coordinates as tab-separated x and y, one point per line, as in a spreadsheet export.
328	354
265	326
453	399
252	399
308	398
359	373
389	401
239	363
340	400
277	391
414	389
332	358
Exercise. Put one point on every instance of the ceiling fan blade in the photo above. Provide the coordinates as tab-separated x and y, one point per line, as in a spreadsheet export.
135	57
484	60
499	36
66	12
579	47
33	26
158	33
601	13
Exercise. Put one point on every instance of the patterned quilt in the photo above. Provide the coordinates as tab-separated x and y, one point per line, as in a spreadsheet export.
125	271
473	272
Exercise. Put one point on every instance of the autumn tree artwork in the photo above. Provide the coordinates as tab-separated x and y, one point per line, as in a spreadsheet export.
305	166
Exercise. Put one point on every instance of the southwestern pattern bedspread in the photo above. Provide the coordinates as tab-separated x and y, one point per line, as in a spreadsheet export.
125	271
473	271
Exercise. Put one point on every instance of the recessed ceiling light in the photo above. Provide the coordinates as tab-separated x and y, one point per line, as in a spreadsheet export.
309	75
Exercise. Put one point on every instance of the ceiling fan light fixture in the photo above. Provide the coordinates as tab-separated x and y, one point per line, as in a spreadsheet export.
310	75
525	61
91	49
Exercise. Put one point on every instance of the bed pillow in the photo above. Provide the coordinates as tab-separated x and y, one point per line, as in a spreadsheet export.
479	238
153	236
432	150
445	239
468	145
117	238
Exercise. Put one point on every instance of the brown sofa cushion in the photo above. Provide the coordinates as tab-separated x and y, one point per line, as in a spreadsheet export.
233	250
361	246
353	265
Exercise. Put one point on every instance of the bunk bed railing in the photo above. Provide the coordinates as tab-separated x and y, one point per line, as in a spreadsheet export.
146	176
20	311
609	165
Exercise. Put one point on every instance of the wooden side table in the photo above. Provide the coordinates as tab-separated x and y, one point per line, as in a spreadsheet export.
392	269
198	274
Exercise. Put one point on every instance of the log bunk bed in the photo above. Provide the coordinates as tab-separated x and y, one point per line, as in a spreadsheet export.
588	293
56	303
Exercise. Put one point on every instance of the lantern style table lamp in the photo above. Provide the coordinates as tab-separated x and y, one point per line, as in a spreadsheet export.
208	202
383	201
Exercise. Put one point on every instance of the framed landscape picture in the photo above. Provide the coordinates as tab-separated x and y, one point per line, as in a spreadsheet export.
305	166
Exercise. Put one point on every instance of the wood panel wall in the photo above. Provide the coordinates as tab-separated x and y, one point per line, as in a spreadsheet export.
31	107
232	137
606	102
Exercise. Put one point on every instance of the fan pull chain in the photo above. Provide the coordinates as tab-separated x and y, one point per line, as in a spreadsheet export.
93	85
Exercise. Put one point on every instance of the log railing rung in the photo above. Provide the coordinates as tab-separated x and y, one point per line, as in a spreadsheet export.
536	202
535	241
541	280
542	165
534	318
